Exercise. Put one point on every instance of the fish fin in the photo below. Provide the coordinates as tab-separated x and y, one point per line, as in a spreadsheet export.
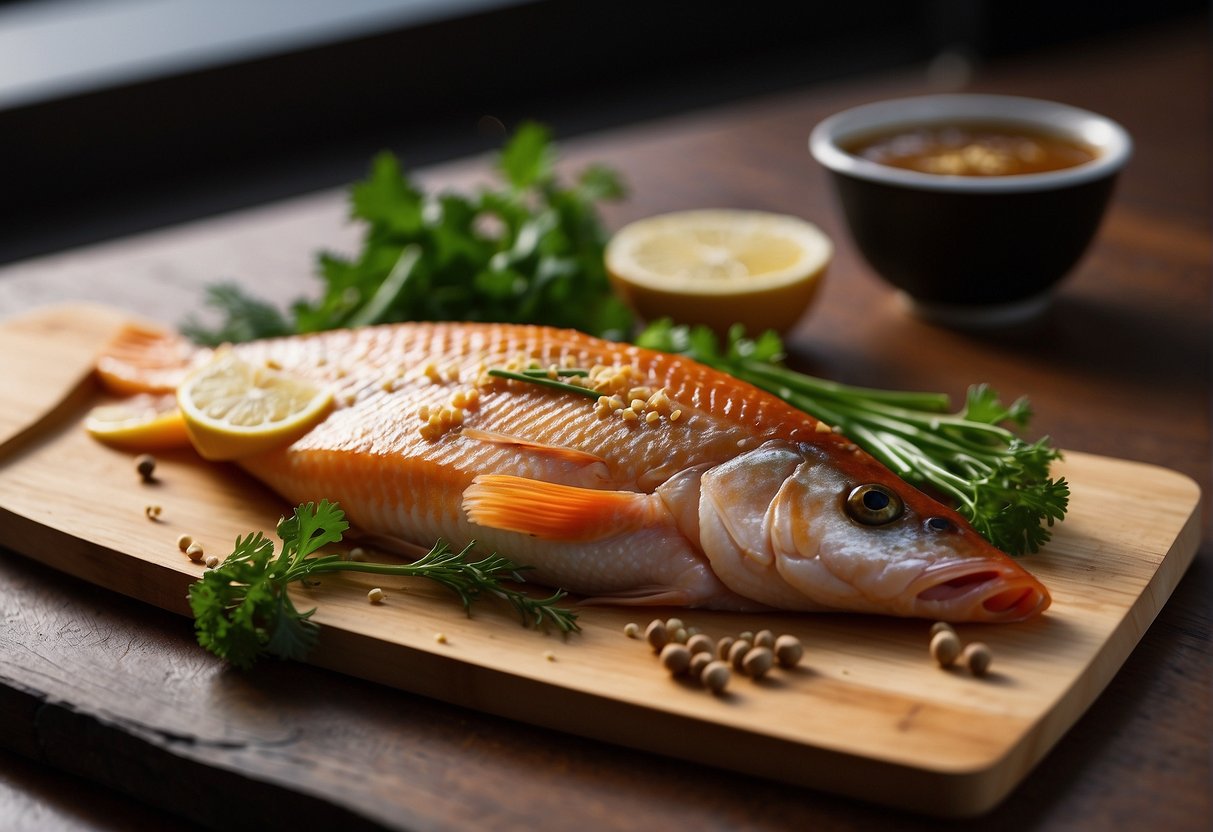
557	512
565	454
645	596
145	359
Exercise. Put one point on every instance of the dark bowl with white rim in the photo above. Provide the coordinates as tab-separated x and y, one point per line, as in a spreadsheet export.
972	250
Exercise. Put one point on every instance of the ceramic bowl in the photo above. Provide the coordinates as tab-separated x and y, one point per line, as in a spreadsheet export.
972	249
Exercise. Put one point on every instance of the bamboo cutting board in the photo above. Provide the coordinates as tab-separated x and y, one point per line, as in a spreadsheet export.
867	714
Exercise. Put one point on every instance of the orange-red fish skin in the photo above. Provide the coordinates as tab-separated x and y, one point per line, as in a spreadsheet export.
394	475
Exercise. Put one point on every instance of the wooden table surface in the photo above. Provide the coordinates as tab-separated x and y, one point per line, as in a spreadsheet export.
111	716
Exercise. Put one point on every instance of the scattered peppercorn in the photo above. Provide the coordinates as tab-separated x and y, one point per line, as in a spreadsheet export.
184	541
145	464
676	658
757	662
788	651
945	648
684	650
940	625
656	634
715	676
375	596
737	653
977	657
212	561
194	552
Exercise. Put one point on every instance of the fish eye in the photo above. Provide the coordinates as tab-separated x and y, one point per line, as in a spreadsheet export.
873	505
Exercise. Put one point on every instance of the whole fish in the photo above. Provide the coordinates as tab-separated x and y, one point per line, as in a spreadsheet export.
670	484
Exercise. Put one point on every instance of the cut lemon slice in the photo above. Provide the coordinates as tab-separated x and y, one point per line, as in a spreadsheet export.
720	267
233	409
145	422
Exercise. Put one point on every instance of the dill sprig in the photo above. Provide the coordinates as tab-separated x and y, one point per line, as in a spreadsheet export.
471	580
242	610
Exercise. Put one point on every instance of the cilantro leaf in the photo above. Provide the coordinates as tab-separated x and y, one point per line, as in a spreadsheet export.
234	606
529	251
527	159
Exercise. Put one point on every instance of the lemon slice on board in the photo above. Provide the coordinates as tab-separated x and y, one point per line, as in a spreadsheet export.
147	422
720	267
233	409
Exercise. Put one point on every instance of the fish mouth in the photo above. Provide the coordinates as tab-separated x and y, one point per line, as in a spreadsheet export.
982	593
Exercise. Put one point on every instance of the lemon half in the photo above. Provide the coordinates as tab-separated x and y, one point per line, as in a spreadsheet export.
147	422
234	409
720	267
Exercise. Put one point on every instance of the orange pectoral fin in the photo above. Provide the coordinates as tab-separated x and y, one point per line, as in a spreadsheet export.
558	512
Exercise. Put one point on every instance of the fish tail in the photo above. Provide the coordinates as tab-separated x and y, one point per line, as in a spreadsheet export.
145	359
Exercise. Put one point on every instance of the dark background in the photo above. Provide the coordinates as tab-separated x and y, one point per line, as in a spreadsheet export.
174	140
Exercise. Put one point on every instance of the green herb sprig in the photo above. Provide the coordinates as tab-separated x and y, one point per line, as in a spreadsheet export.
242	610
542	378
996	480
527	251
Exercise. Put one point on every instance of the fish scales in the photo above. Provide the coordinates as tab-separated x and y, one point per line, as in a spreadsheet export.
741	502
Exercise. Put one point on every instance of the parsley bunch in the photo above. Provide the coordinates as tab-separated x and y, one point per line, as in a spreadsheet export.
996	480
242	610
529	251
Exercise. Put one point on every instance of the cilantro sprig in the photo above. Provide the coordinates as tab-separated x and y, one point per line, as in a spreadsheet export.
996	480
242	610
529	250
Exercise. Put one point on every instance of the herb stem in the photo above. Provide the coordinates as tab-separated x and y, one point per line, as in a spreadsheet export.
545	381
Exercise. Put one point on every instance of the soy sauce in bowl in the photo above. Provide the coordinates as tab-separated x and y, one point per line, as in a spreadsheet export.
974	207
972	149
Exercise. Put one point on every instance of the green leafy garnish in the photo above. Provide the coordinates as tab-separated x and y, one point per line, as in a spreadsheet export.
528	251
996	480
542	378
242	610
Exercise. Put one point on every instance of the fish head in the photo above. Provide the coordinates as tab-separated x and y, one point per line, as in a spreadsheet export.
806	526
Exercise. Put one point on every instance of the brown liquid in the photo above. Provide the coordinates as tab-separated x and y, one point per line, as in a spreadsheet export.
972	149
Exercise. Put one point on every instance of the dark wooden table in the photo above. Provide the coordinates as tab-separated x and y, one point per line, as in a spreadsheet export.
111	717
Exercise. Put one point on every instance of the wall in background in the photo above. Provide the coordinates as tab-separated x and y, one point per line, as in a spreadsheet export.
120	115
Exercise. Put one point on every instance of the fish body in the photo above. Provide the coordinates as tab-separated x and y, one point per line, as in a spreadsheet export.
673	484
